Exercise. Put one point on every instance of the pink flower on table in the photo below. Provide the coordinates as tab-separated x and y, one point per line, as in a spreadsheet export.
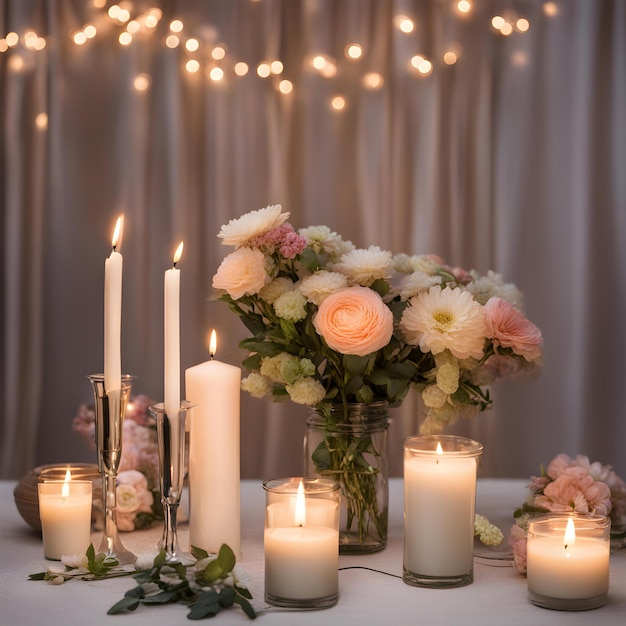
242	273
574	493
354	320
509	328
518	540
133	497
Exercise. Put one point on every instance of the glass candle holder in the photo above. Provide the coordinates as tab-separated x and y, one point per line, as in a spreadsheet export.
301	542
439	506
65	512
568	561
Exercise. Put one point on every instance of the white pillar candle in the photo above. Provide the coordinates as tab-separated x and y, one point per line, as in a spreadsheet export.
568	561
171	331
301	542
214	455
439	508
113	313
65	512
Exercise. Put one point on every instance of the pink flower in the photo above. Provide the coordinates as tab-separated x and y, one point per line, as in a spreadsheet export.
509	328
575	493
242	273
133	497
517	541
354	320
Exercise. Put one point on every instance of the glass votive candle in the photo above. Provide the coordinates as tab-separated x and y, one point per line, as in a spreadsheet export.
439	506
301	542
65	512
568	561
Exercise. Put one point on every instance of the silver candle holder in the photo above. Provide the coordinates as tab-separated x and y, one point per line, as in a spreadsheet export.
110	410
171	440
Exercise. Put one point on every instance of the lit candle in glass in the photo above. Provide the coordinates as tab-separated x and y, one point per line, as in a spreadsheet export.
568	561
301	542
439	506
65	511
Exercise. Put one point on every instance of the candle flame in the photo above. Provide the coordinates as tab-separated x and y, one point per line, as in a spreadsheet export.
439	448
178	253
213	343
569	539
300	516
65	490
117	233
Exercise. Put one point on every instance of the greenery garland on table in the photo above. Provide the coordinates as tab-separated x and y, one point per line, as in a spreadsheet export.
206	586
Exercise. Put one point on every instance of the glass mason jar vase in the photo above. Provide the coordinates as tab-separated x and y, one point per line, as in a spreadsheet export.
349	445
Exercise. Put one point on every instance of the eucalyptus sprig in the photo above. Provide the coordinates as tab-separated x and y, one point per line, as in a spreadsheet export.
207	586
91	566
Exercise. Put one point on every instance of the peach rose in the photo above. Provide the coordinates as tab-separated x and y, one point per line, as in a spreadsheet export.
242	273
354	320
509	328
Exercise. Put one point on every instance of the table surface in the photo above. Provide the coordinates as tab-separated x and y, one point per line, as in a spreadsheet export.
498	595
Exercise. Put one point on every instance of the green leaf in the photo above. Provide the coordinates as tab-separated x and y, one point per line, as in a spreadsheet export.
226	558
227	596
311	261
39	576
199	553
163	597
381	286
254	323
356	365
244	591
321	456
136	592
353	385
365	394
207	605
127	603
253	362
91	553
246	606
265	348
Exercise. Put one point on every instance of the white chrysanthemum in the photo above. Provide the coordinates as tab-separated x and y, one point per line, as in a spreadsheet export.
321	238
291	305
306	391
317	287
145	560
406	264
257	385
75	561
244	228
493	286
363	267
275	289
440	319
415	283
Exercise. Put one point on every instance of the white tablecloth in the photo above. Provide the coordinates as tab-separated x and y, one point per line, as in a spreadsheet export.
497	596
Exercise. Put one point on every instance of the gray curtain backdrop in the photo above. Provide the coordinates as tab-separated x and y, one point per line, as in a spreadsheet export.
512	159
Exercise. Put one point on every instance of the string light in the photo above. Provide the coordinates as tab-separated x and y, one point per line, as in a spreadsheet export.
16	63
263	70
373	80
464	6
99	4
90	31
176	26
218	53
133	27
216	74
12	39
192	44
550	9
125	38
522	25
450	57
506	29
241	68
404	24
41	121
353	51
497	21
285	86
192	66
79	38
276	67
4	46
338	103
142	82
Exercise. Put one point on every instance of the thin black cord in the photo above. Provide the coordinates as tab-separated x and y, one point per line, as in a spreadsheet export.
371	569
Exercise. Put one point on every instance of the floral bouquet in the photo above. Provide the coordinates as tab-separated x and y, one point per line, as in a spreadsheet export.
332	325
569	485
138	473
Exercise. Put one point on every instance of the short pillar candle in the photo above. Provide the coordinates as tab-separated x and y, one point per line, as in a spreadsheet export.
65	512
439	508
568	561
301	542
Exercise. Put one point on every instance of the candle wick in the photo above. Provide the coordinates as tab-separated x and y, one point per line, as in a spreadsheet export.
566	546
174	265
114	247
